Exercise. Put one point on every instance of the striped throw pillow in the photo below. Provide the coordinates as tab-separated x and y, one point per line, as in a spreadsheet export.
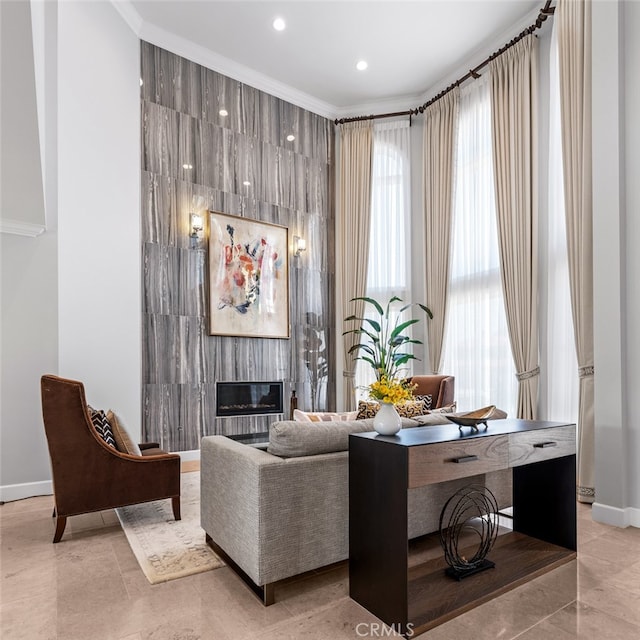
102	426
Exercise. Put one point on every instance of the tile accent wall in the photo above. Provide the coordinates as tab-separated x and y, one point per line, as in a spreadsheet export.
291	184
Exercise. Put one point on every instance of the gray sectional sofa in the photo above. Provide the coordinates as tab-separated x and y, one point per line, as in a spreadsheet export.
272	514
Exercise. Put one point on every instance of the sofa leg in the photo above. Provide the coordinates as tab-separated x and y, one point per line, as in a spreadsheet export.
266	592
61	523
175	503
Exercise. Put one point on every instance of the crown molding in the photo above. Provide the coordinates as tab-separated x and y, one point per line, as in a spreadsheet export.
481	53
404	103
155	35
129	14
201	55
18	228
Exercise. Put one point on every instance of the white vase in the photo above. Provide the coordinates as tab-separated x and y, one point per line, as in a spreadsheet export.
387	421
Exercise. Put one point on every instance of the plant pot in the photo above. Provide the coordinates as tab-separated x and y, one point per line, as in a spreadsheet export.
387	421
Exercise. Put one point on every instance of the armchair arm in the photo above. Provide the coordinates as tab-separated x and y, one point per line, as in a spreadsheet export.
149	445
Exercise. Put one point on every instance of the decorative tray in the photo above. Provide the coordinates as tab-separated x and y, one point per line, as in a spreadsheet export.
472	418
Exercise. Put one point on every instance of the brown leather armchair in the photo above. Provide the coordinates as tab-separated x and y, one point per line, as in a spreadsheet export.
88	474
441	388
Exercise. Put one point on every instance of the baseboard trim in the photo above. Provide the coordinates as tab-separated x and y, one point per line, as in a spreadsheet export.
614	516
10	492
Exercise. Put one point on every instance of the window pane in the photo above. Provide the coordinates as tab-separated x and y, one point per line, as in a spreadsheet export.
389	264
477	349
562	366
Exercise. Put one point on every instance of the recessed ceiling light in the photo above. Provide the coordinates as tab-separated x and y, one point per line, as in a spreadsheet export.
223	112
141	82
246	183
279	24
187	166
362	65
291	137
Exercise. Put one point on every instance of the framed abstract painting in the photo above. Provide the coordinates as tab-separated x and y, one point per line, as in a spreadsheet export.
249	278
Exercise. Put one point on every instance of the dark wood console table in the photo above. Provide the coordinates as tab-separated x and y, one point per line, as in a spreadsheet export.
383	468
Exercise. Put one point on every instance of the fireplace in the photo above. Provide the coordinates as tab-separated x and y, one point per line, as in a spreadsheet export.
248	398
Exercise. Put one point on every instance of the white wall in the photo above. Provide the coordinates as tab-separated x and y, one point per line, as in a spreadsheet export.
29	349
21	196
632	198
71	297
29	265
616	196
99	206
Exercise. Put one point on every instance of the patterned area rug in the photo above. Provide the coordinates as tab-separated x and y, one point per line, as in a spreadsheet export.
164	548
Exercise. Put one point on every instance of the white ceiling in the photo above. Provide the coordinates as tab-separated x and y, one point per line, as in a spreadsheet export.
413	48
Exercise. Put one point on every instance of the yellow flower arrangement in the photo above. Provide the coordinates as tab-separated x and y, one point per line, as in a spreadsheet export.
392	391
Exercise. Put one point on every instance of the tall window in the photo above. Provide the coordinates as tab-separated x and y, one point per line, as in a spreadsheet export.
476	348
560	374
389	266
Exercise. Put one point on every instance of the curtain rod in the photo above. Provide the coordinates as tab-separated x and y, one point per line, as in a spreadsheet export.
546	11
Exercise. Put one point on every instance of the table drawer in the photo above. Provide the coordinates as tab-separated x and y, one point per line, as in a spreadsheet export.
452	460
543	444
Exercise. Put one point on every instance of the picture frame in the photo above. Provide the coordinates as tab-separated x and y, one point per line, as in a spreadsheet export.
248	277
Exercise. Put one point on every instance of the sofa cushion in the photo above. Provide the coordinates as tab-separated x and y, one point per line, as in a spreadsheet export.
289	439
439	416
434	418
316	416
427	401
449	408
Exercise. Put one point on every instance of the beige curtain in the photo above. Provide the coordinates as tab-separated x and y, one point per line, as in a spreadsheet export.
573	24
356	159
439	154
514	130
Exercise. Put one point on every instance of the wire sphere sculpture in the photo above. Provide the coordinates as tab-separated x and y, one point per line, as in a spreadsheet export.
470	514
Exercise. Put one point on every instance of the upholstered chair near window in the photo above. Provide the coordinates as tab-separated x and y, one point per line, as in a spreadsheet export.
440	388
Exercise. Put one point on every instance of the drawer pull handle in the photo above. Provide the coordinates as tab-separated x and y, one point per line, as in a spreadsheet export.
466	459
544	445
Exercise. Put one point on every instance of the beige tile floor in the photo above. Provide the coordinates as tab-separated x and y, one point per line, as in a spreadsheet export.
89	587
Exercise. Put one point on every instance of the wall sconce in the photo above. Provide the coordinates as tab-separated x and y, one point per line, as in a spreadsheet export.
299	245
196	224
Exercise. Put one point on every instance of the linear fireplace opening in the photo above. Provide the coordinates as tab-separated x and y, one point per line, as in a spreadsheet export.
249	398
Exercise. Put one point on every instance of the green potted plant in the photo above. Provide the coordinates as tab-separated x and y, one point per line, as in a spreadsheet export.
385	345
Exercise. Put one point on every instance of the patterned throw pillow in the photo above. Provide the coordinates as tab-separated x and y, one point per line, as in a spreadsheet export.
327	416
367	410
427	401
406	410
450	408
410	409
102	426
